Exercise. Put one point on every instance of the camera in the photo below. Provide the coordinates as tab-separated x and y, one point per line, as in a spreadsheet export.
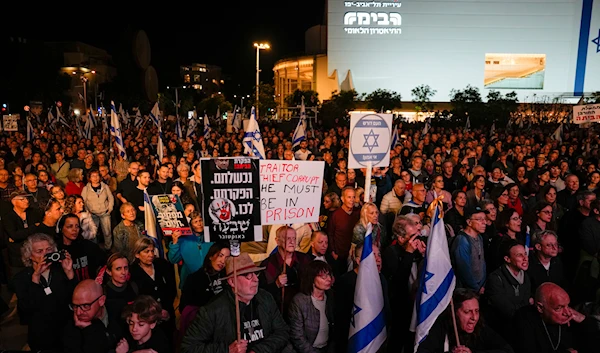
55	256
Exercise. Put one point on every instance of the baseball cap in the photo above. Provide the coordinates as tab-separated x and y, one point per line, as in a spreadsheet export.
474	210
18	193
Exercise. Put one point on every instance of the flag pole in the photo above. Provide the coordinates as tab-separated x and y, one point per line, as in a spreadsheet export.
368	182
234	247
454	321
283	287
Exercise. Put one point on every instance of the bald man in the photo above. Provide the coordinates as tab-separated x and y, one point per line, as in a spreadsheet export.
90	331
550	324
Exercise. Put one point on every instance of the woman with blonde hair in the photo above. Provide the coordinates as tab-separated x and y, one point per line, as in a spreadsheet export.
75	184
369	213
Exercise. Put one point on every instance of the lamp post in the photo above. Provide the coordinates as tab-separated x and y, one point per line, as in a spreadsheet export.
259	47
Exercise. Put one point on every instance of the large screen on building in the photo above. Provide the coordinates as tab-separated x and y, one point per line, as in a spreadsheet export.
542	47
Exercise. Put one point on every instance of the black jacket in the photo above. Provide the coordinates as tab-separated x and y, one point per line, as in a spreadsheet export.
305	322
200	287
538	273
95	338
162	288
45	314
506	295
87	257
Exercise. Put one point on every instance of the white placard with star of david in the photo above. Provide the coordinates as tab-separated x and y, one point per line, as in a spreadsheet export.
370	137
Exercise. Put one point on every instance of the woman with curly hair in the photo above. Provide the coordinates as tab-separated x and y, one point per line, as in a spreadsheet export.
75	204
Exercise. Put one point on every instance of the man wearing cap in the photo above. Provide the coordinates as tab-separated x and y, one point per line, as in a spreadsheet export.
18	225
262	327
467	251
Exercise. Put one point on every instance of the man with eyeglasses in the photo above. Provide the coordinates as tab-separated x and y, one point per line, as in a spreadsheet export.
90	330
262	327
467	251
544	263
40	196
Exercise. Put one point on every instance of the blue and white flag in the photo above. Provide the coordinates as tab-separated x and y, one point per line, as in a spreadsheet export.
367	325
160	148
253	142
468	124
493	129
115	130
60	118
236	123
394	137
139	121
557	135
207	128
30	131
87	128
191	129
427	126
155	115
150	226
300	132
91	118
437	280
178	130
51	118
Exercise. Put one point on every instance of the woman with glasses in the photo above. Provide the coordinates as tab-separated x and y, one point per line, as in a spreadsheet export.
154	276
44	290
541	217
311	312
548	194
508	223
436	189
58	192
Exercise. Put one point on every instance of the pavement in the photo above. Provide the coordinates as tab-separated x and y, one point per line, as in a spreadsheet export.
13	336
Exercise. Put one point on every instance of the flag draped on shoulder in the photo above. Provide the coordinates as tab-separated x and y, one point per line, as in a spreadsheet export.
437	280
253	142
150	226
367	324
115	130
300	132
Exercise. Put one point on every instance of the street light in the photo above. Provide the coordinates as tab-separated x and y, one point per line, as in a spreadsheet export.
259	47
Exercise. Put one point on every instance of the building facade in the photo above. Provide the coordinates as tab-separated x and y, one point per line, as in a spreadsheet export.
206	78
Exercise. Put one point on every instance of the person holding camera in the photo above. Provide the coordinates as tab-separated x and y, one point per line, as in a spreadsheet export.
44	290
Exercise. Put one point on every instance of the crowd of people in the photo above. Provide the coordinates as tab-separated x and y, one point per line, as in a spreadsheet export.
521	215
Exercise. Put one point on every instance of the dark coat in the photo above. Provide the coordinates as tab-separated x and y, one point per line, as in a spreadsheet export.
305	322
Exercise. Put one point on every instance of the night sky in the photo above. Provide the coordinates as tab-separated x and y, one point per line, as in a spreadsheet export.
211	32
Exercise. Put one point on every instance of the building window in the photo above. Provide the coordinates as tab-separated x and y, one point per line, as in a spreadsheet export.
186	78
514	71
196	78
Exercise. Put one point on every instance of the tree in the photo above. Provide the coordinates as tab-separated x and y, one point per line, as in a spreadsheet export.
466	102
422	98
266	100
593	99
311	98
383	99
211	104
499	108
338	106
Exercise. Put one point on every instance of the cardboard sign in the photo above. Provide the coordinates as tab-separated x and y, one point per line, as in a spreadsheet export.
169	214
290	191
589	113
370	139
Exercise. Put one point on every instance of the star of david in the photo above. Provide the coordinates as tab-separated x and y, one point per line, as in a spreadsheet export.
428	276
257	135
372	145
355	311
597	42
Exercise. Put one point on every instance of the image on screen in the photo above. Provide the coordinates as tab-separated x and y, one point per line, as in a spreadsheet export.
514	71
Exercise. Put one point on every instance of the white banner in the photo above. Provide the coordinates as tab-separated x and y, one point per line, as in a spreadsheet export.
290	191
589	113
370	139
10	122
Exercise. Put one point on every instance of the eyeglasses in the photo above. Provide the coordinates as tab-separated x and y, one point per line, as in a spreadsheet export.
325	275
516	218
249	276
478	219
84	307
546	212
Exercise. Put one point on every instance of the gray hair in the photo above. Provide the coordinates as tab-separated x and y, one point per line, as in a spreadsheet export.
27	247
182	167
539	236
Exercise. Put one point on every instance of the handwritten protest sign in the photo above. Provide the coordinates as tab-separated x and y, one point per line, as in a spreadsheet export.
589	113
290	191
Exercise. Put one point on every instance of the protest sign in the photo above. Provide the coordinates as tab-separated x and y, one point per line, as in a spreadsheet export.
231	199
290	191
169	214
589	113
370	139
10	122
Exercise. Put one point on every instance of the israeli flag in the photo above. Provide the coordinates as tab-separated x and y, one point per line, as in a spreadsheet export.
427	126
115	130
236	124
207	128
367	325
493	129
87	128
160	148
155	115
139	121
394	137
51	119
178	130
191	129
253	142
30	131
437	281
91	117
300	133
61	119
150	226
557	135
468	124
